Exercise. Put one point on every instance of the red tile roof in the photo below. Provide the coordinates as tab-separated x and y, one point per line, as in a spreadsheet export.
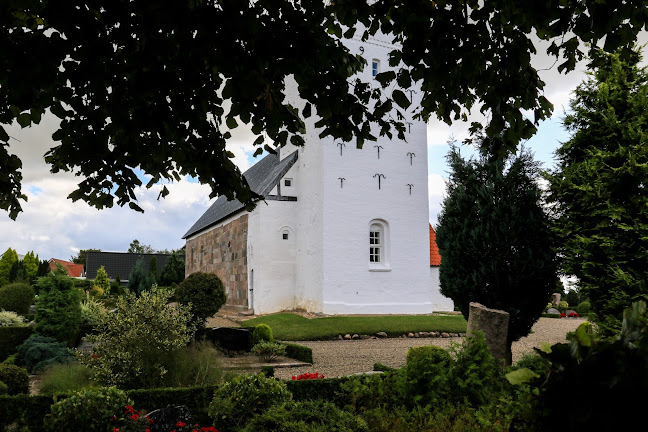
435	256
74	270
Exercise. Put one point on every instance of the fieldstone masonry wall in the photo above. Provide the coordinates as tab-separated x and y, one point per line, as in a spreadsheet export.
223	251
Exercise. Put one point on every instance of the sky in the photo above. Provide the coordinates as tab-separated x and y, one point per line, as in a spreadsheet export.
54	227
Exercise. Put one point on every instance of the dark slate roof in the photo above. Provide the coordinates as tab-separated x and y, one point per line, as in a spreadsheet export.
121	263
262	177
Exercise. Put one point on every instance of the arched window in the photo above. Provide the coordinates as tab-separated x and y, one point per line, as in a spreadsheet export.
379	245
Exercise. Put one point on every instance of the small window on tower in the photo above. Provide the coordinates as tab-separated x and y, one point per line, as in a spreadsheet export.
284	235
288	182
375	67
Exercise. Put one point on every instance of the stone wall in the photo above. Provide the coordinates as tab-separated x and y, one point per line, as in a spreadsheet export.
223	251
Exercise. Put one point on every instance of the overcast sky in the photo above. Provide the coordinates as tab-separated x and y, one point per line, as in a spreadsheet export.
54	227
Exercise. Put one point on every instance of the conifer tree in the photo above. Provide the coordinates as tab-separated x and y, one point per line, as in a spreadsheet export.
30	263
495	239
6	261
599	188
101	280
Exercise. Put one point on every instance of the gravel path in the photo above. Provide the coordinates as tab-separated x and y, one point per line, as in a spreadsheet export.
339	358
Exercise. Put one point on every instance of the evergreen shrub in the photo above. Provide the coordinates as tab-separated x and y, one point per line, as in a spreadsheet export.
237	401
87	410
39	352
262	333
205	292
16	297
299	352
58	310
15	377
583	308
11	319
427	374
4	388
269	351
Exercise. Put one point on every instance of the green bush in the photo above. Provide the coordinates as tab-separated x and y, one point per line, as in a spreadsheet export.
237	401
426	374
16	379
91	313
65	378
366	392
532	361
269	351
4	388
173	271
205	292
135	343
87	410
24	411
299	352
58	310
11	319
583	308
476	377
198	364
16	297
307	416
262	333
139	279
11	338
39	352
96	291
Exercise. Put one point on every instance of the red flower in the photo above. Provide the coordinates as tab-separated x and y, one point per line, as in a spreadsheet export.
116	430
135	417
129	409
180	424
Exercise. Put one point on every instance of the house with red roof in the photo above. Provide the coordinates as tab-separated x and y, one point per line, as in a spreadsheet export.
73	270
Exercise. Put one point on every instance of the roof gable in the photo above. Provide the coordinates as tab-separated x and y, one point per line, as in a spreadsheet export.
73	270
435	255
262	178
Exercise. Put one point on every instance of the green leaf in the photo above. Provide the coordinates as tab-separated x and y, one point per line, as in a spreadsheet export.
231	123
582	334
545	347
24	119
521	376
400	98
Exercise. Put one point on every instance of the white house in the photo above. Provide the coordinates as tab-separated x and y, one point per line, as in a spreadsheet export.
342	230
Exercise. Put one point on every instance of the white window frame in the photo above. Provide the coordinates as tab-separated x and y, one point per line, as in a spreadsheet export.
379	246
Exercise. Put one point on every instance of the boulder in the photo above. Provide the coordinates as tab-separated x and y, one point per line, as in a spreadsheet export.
494	323
381	334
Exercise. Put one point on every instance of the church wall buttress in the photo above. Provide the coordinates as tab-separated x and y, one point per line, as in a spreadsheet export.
223	251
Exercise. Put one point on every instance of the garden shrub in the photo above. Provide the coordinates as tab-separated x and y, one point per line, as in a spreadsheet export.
476	377
583	308
11	338
101	280
299	352
139	279
562	306
96	291
4	388
58	310
173	271
198	364
269	351
11	319
16	297
87	410
426	374
136	341
262	333
329	389
91	313
366	392
237	401
532	361
205	292
307	416
65	378
16	379
39	352
24	412
196	399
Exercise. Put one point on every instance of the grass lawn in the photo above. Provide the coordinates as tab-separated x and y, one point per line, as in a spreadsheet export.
291	327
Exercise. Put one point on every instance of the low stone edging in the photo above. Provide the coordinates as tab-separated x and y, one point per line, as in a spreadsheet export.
383	335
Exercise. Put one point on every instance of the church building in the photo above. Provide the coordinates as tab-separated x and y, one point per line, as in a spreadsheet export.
342	230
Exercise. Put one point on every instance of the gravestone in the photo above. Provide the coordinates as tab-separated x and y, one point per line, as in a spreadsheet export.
555	299
231	339
166	419
553	311
494	323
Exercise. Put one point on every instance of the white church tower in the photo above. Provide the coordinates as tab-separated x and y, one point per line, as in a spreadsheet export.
343	230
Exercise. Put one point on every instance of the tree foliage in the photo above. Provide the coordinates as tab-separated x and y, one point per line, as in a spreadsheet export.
495	239
138	248
173	271
159	87
82	256
102	280
139	280
134	342
599	187
6	262
31	263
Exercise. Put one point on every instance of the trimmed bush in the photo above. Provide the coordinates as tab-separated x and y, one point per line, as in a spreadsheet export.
299	352
205	292
262	333
16	297
16	379
39	352
11	338
583	308
25	411
237	401
87	410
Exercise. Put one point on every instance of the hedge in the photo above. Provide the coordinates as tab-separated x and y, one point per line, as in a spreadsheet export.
11	338
299	352
327	389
